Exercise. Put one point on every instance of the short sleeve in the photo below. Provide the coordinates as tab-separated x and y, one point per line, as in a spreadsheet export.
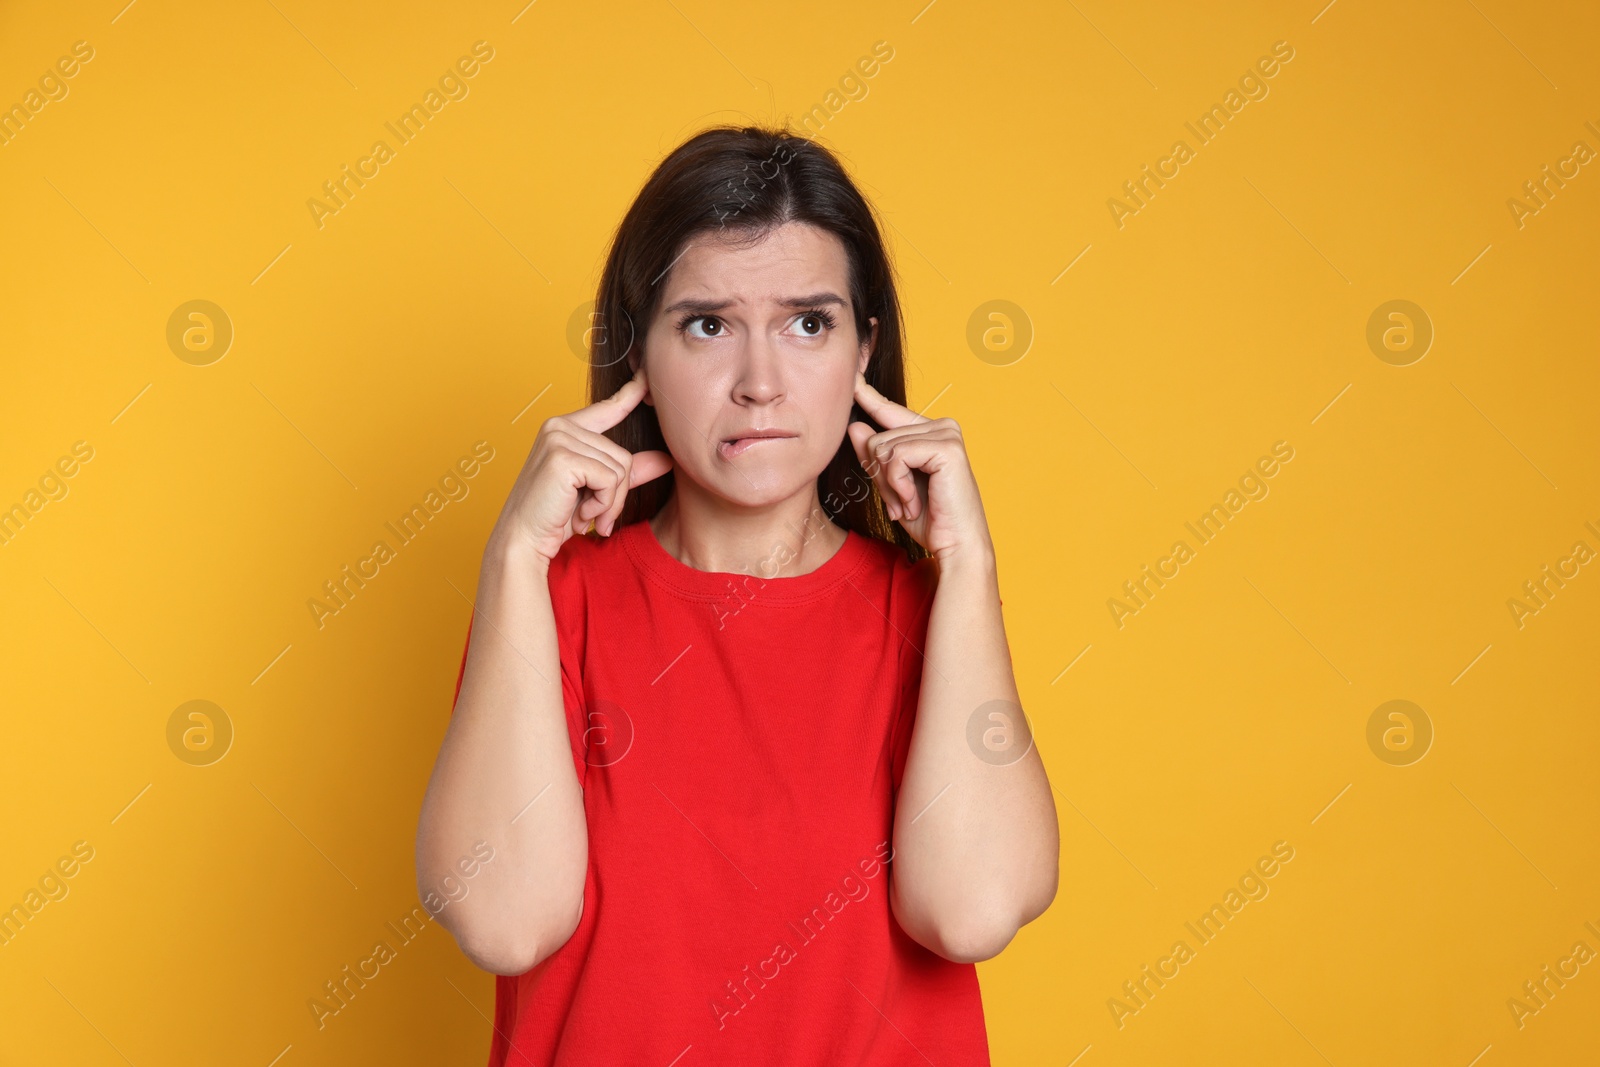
568	599
567	602
913	603
462	673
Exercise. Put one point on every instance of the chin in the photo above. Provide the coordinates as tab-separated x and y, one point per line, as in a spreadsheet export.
762	494
758	487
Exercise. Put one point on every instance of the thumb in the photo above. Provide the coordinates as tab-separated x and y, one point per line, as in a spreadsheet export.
648	466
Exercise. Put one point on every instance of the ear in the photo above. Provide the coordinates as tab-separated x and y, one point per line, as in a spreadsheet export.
634	358
867	347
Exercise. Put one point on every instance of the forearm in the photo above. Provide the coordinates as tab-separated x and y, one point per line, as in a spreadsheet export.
975	838
505	775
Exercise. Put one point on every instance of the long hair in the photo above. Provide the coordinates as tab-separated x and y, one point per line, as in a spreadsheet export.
744	182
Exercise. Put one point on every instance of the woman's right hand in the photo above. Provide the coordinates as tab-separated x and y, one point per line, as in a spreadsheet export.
575	474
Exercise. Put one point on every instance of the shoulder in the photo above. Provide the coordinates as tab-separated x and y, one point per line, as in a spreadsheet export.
589	560
577	553
570	571
578	578
911	585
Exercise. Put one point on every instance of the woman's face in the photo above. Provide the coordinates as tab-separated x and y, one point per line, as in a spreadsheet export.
742	346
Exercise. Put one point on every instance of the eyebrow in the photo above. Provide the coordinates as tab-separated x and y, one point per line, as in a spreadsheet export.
706	307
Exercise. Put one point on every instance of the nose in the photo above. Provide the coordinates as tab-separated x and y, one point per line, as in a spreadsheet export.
760	375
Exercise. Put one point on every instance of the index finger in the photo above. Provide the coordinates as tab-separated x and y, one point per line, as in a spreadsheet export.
604	414
886	411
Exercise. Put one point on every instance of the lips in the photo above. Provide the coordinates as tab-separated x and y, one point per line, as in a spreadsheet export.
744	440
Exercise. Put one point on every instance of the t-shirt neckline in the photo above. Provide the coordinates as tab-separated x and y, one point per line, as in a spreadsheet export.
640	540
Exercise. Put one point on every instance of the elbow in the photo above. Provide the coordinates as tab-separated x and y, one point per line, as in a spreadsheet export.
505	955
973	934
972	942
976	937
960	935
1042	894
511	952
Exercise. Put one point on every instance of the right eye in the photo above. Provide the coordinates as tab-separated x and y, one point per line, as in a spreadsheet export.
711	325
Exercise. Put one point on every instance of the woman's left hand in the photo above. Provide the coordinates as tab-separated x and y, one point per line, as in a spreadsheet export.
921	470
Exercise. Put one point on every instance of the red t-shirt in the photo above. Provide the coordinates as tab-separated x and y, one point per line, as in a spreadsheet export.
740	743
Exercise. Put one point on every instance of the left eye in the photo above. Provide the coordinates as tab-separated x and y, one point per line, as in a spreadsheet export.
812	324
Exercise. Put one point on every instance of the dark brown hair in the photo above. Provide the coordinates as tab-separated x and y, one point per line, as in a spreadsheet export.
744	182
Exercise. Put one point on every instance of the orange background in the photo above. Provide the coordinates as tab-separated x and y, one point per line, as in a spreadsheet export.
1163	357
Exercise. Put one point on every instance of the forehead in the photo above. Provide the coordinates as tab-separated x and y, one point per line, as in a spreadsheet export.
792	259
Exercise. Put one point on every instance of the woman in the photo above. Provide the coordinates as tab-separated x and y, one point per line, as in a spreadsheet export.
747	751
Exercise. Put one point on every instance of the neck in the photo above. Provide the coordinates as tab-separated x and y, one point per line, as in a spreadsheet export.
781	540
